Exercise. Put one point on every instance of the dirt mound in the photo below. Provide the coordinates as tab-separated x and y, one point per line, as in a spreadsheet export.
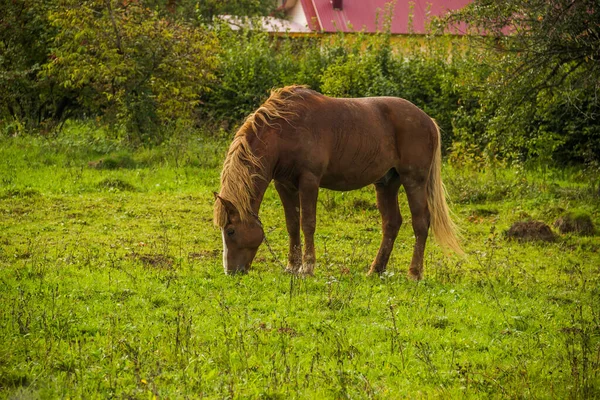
580	224
531	231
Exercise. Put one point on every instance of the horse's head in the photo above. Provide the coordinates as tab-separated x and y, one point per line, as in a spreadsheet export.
241	239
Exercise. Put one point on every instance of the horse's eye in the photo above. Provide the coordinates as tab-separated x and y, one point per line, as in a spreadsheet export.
230	232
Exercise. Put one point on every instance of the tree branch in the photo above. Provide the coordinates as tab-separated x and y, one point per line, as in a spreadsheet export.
115	28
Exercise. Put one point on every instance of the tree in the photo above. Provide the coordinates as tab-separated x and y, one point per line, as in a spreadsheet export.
25	35
207	9
130	65
542	93
203	11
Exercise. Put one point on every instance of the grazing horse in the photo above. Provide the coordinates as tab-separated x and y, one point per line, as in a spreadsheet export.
304	140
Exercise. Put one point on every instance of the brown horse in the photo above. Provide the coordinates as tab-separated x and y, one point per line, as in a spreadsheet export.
304	140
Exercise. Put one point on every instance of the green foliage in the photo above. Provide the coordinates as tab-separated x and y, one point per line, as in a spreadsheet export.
204	11
124	59
547	34
540	99
251	64
114	161
28	101
555	125
208	9
360	68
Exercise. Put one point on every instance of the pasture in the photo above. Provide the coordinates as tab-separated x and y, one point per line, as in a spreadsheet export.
112	285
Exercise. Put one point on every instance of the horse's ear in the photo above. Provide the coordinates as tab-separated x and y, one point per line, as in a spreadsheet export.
229	207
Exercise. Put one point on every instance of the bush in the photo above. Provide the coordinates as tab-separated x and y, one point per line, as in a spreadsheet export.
130	65
251	64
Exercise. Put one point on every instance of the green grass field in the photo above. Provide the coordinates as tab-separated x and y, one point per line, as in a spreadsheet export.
112	285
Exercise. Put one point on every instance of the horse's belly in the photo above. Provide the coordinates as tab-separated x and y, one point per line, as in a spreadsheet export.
352	180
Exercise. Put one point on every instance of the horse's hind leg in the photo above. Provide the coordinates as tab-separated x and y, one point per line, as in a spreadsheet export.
291	206
417	201
391	220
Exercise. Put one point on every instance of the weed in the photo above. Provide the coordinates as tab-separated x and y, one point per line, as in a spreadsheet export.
116	184
117	161
20	193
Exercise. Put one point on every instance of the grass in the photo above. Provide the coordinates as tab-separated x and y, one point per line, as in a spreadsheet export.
111	285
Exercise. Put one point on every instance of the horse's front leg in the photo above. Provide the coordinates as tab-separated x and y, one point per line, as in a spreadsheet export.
291	206
309	192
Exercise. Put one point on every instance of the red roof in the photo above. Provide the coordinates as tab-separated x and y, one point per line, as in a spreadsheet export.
357	15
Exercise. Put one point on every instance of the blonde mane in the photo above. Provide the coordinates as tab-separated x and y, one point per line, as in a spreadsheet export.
241	165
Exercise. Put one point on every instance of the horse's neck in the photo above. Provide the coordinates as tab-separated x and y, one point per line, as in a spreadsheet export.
261	178
260	187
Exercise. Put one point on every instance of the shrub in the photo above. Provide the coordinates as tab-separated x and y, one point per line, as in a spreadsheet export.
251	64
130	65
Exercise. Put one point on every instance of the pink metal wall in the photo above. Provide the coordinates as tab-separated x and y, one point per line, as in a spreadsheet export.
362	14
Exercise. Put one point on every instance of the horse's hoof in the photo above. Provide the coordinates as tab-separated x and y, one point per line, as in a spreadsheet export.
415	275
291	269
306	270
375	270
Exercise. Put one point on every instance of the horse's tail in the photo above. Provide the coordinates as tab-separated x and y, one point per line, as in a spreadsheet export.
443	228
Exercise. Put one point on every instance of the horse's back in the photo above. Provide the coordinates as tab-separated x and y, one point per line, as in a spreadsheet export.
351	143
